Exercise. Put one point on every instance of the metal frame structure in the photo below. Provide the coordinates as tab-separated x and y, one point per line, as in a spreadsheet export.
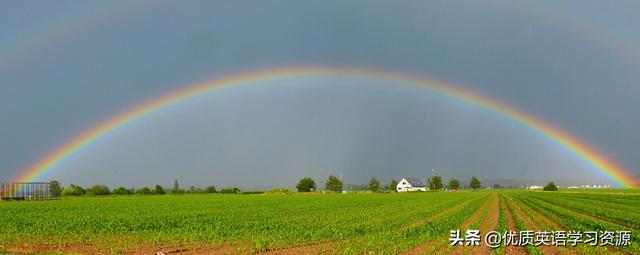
21	191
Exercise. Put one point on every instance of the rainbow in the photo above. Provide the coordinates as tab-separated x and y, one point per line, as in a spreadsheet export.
620	44
45	34
586	153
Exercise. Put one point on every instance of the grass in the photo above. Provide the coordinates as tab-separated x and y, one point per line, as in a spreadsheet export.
351	224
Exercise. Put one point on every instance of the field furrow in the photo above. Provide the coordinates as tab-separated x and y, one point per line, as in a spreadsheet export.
512	249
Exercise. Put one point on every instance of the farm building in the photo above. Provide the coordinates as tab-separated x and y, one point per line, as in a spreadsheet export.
411	184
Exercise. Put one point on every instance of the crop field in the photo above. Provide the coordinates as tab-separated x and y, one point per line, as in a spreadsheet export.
415	223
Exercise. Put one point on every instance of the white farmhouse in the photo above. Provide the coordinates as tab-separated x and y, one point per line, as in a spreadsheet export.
411	184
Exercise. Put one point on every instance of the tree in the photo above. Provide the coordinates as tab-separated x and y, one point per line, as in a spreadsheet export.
77	190
159	190
550	187
55	188
454	184
122	191
176	188
374	185
475	183
145	191
211	189
100	189
393	185
333	184
435	183
306	184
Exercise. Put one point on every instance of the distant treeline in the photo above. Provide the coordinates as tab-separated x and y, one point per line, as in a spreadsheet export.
334	184
306	184
99	189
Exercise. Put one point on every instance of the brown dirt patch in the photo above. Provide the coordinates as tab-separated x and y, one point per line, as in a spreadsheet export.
46	249
308	249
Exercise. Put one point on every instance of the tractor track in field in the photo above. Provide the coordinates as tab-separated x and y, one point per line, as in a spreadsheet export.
441	213
545	222
421	249
512	249
531	225
490	223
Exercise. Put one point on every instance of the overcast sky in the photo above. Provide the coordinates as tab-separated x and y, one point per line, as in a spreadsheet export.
67	65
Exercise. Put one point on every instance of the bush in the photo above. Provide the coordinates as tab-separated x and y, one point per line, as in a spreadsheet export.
278	191
122	191
100	190
73	190
211	189
177	191
145	191
68	191
551	187
252	192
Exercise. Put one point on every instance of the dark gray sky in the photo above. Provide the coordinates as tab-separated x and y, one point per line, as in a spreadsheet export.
66	66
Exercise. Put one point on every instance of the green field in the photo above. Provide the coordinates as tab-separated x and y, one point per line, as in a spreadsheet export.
292	224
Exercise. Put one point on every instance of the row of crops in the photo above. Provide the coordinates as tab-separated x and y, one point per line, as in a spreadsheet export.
345	224
352	224
584	211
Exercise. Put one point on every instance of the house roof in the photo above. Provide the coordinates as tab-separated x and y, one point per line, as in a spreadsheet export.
415	182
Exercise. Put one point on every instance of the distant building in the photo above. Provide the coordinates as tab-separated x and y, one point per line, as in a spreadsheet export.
411	184
595	186
534	187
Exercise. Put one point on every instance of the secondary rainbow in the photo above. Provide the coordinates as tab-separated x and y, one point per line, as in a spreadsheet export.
582	150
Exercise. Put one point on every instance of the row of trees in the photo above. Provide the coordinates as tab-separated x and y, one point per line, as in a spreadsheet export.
99	189
307	184
436	183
